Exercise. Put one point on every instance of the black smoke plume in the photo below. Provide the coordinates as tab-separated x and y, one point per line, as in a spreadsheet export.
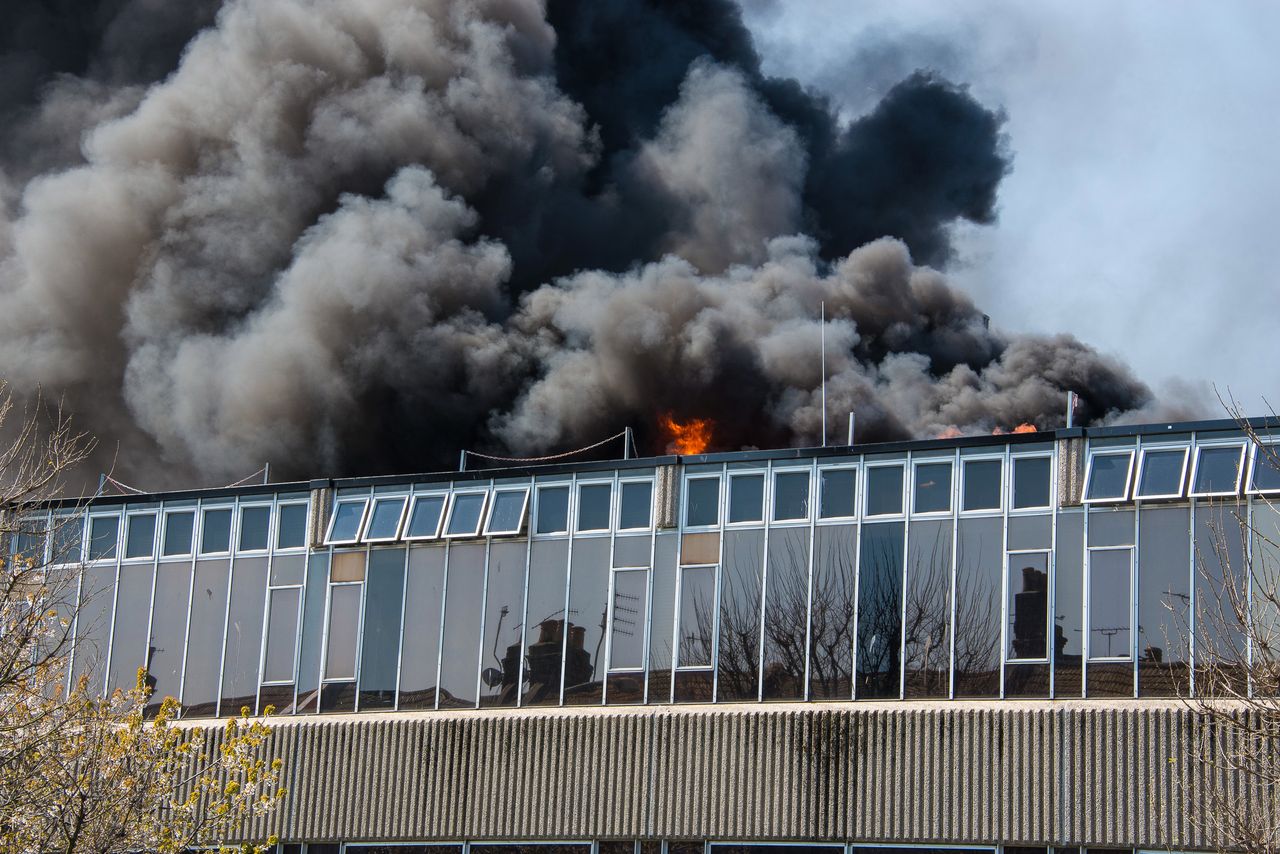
352	236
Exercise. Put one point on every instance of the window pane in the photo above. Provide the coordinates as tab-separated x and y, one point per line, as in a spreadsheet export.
103	532
463	614
464	518
637	505
979	568
553	510
697	616
785	613
282	635
1218	470
424	520
1109	604
630	591
244	635
703	506
1161	473
129	637
205	637
884	490
588	609
933	488
255	522
380	646
503	649
982	484
879	642
177	533
790	496
291	526
544	622
1031	482
344	627
384	522
67	539
421	643
508	512
215	535
1028	604
838	493
346	521
746	498
1266	469
140	535
168	628
1108	475
593	506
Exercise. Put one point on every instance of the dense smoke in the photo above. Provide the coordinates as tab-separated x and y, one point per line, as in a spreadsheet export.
352	237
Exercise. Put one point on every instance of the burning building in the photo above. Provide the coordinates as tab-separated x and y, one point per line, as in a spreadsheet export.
888	644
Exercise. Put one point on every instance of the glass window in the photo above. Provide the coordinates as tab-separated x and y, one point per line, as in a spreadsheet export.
28	540
506	516
103	533
593	506
344	631
255	527
1028	586
67	539
291	526
1108	478
790	496
1218	470
702	502
282	635
1110	603
464	514
630	594
839	488
424	518
1265	472
982	484
215	533
1030	482
553	509
178	528
884	490
932	492
637	505
746	498
140	535
1160	473
384	521
697	615
347	516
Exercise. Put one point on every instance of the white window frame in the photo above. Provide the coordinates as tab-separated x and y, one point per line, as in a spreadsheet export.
684	501
453	504
239	526
88	541
124	536
1128	657
367	522
1004	494
55	520
205	509
1048	607
297	634
325	679
643	624
763	474
42	519
275	532
622	484
412	505
493	503
1195	468
164	526
538	489
577	506
771	493
856	468
1250	489
1008	491
1142	465
333	519
676	666
949	462
1088	476
867	516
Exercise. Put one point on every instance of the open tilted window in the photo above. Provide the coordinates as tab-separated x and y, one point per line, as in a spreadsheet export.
506	511
1264	469
383	524
1161	472
466	511
348	516
424	517
1218	470
1108	476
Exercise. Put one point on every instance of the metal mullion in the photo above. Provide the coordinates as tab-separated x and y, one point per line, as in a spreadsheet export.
197	532
524	591
722	503
765	509
649	579
121	531
908	502
808	617
1004	560
956	498
1133	569
444	600
1085	562
1055	503
155	580
681	512
404	600
571	518
226	616
484	611
266	606
615	511
857	576
1248	590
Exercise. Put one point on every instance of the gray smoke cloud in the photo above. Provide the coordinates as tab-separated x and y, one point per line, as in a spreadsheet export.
352	237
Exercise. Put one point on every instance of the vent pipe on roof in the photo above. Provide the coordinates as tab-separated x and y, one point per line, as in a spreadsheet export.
1071	409
850	428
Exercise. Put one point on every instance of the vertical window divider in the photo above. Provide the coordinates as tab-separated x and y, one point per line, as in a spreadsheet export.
324	631
75	625
1004	563
1085	616
808	611
266	603
226	616
766	512
1194	570
197	529
404	599
571	521
683	480
908	504
524	591
122	532
484	607
155	579
648	608
1134	592
722	513
1051	651
615	519
857	573
957	496
1247	573
444	598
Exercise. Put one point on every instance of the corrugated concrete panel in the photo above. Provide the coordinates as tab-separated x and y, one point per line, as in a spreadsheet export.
1012	772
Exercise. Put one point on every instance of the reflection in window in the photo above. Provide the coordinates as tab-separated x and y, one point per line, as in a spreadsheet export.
1028	585
255	523
785	614
696	626
1164	599
384	521
1030	482
588	606
982	484
103	533
884	490
553	510
464	514
178	529
1110	603
291	526
1161	473
636	505
932	492
507	514
738	657
424	518
345	527
1108	477
593	506
140	535
838	493
1265	475
790	496
746	498
627	619
380	643
879	653
928	608
67	539
215	533
979	565
831	619
702	506
1218	470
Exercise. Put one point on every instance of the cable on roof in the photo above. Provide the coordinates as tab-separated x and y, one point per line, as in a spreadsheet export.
548	457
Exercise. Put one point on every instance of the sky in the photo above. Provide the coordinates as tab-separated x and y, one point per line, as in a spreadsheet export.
1140	213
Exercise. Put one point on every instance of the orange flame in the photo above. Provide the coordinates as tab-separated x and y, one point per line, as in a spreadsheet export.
1024	427
689	437
950	433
